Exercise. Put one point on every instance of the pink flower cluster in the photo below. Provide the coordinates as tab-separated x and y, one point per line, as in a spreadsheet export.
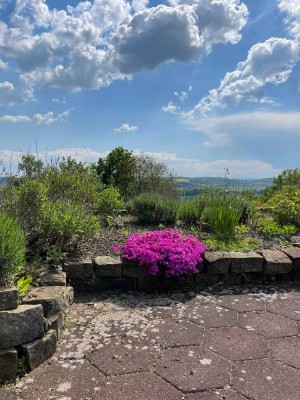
171	250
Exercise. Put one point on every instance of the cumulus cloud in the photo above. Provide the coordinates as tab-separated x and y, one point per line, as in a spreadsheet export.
292	9
126	128
3	64
39	119
96	42
269	62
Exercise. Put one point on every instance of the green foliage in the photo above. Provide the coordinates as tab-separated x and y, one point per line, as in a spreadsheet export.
223	214
109	204
12	248
55	254
285	206
117	170
271	228
190	211
288	177
23	285
154	209
238	243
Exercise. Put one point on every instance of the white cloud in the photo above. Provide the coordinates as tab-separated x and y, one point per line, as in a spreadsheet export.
292	8
3	64
183	96
139	5
78	153
15	119
171	108
268	62
126	128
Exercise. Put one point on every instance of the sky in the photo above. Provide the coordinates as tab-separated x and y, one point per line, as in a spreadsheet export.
202	85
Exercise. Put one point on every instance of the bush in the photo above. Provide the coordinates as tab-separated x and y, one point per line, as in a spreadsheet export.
167	251
285	206
190	211
223	214
12	248
154	209
109	204
272	228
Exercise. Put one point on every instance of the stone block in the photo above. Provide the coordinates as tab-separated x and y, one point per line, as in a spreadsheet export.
206	280
251	277
294	254
216	262
8	365
55	323
9	298
105	266
124	284
276	262
79	269
21	325
54	279
246	262
85	285
134	270
53	298
39	350
230	279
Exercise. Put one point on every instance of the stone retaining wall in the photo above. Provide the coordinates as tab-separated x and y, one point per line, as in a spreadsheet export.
227	268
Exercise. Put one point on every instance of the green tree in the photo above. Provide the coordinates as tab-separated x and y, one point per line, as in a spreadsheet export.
288	177
117	170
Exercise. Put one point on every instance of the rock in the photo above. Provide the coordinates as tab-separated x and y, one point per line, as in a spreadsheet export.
294	255
134	270
8	365
230	279
39	350
276	262
54	279
107	266
206	280
21	325
217	262
56	323
79	270
9	298
246	262
53	298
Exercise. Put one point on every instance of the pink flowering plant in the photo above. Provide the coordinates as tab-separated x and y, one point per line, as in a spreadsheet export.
168	250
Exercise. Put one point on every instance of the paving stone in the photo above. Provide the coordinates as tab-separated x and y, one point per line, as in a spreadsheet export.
294	255
286	308
6	394
174	332
8	365
54	299
174	311
235	343
124	356
246	262
266	380
21	325
286	350
268	324
77	380
79	270
226	394
242	302
276	262
143	386
107	266
39	350
9	298
211	315
192	369
216	262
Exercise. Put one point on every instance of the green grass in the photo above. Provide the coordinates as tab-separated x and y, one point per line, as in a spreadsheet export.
234	244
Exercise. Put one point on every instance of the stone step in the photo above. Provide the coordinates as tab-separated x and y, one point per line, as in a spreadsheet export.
9	298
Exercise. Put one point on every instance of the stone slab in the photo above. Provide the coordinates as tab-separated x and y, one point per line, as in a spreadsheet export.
289	308
211	315
242	302
286	350
54	299
105	266
79	270
216	262
276	262
55	322
6	394
226	394
134	270
21	325
54	279
246	262
8	365
294	254
9	298
39	350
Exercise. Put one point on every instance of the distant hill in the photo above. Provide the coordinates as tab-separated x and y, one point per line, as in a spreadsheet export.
192	186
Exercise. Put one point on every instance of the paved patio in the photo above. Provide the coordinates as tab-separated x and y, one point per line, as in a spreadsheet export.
233	345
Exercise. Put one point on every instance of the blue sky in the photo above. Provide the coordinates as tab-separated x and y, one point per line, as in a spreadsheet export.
202	85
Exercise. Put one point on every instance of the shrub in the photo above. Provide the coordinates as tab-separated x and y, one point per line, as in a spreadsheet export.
154	209
285	206
223	214
190	211
272	228
109	204
167	251
12	248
